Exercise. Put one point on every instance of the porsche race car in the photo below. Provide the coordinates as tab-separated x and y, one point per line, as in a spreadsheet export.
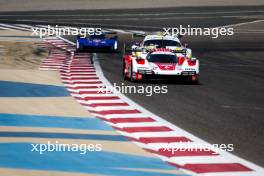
159	57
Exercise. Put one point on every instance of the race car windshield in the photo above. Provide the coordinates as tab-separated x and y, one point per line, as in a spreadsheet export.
162	58
162	43
102	36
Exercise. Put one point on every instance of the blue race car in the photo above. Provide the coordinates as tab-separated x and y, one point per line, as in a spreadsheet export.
97	42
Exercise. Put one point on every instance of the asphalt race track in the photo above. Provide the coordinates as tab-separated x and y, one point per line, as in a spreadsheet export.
227	107
139	19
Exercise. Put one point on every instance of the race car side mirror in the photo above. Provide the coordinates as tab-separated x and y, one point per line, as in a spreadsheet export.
193	59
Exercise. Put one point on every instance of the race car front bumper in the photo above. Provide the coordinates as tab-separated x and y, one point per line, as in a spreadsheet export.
150	74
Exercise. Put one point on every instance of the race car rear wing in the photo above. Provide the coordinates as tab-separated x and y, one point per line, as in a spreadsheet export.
134	35
110	32
145	50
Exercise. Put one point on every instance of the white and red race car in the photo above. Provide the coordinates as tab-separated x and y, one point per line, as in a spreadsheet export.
160	57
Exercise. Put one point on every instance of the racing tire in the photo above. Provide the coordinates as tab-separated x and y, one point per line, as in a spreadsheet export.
131	74
114	48
123	72
193	82
79	48
197	82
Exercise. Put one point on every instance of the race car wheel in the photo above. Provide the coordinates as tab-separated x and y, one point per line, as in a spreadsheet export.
79	48
132	79
124	72
194	79
115	47
77	45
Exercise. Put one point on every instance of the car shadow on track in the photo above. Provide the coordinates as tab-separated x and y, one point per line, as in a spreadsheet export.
168	82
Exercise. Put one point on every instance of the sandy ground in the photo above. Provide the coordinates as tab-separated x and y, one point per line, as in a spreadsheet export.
40	77
18	36
111	146
23	172
18	55
59	130
19	62
58	106
18	50
29	5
